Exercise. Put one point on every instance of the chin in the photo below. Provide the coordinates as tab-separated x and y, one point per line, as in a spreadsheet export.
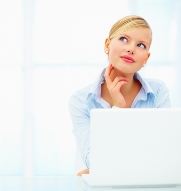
125	70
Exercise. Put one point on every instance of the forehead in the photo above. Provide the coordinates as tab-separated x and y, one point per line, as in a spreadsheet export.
140	34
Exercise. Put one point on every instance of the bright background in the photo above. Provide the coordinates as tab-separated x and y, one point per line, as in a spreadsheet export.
49	49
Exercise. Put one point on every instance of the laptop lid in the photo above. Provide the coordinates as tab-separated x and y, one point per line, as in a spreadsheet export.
135	147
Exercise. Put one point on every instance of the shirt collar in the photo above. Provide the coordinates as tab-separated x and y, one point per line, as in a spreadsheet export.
96	86
147	88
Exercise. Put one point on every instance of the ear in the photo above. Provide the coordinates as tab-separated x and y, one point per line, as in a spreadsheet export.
147	58
107	42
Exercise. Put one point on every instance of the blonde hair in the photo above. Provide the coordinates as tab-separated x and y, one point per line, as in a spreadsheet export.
127	23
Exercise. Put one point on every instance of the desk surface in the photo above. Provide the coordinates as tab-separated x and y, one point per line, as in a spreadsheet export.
41	183
56	183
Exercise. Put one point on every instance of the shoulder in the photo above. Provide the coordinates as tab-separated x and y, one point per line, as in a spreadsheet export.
80	95
151	85
77	104
156	84
83	94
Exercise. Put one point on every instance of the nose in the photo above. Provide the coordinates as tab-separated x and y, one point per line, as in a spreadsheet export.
130	48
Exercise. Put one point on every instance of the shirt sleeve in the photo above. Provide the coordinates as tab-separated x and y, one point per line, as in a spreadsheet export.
114	107
162	98
80	117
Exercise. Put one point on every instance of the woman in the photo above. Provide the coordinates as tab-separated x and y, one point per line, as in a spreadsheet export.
119	85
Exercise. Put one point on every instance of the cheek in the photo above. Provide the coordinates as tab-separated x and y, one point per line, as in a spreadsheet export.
112	56
114	47
143	57
114	52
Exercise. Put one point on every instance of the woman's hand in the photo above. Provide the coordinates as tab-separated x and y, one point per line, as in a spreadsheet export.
114	87
85	171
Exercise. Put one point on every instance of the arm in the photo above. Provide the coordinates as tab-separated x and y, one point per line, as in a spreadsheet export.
80	116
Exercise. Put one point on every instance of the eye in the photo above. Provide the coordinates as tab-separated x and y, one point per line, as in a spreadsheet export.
123	39
141	45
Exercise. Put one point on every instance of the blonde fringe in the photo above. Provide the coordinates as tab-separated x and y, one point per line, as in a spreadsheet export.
127	23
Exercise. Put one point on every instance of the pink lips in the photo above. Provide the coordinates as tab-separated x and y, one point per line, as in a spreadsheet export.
128	59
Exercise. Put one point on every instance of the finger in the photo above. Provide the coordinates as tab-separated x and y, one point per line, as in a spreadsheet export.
108	72
85	171
112	67
117	80
119	85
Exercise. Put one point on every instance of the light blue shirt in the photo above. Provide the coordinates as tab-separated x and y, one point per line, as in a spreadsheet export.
153	94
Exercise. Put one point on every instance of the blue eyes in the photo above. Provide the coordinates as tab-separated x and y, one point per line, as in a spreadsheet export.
141	45
124	39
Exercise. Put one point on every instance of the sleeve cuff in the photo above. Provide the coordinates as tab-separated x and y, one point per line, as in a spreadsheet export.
114	107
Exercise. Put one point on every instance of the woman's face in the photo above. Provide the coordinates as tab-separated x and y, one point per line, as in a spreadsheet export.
129	51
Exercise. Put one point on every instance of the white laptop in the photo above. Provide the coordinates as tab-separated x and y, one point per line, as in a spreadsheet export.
135	148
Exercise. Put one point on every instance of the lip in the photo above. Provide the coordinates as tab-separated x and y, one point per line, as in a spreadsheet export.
128	59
